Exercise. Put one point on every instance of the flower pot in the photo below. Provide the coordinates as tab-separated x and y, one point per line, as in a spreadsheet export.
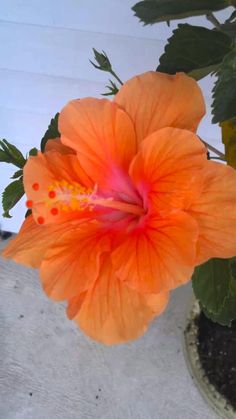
218	402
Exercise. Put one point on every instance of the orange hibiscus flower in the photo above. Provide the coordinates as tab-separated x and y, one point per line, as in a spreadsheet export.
126	205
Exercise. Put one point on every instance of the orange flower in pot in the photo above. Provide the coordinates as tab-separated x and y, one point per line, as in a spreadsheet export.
126	205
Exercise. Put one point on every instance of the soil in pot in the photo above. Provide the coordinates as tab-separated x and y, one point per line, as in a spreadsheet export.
217	352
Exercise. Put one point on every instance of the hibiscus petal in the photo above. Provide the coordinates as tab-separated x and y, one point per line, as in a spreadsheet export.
168	169
215	212
32	242
43	171
74	304
102	135
156	100
56	145
160	256
111	312
72	264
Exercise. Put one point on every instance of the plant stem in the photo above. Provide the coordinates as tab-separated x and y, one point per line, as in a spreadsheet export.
213	20
216	158
116	77
214	150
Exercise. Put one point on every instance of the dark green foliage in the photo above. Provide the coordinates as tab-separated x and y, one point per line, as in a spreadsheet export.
214	285
194	50
10	154
52	132
33	152
17	174
224	92
152	11
11	195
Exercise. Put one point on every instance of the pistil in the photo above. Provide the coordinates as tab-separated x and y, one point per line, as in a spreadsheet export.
119	205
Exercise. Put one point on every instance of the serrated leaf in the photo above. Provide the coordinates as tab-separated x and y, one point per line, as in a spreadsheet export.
229	140
52	132
194	50
11	154
224	92
11	195
152	11
215	288
17	174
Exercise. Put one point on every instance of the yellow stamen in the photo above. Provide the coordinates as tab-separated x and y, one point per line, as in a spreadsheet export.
76	197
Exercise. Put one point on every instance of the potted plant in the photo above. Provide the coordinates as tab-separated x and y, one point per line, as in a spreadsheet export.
124	201
210	335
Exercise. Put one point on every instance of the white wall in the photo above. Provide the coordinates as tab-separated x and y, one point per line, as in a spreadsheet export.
45	51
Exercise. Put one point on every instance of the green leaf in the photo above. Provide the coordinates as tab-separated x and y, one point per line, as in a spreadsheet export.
17	174
52	132
229	140
211	283
33	152
224	92
228	311
11	195
11	154
229	29
4	157
152	11
214	286
200	73
194	50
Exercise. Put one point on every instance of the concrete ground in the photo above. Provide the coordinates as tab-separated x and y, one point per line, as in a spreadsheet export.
50	370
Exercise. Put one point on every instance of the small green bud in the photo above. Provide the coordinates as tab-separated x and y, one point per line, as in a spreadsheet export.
102	60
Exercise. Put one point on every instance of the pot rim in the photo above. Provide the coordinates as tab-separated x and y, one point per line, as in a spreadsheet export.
207	390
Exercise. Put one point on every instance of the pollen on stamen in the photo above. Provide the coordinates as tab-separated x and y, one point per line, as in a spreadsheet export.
29	203
41	220
69	197
35	186
54	211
